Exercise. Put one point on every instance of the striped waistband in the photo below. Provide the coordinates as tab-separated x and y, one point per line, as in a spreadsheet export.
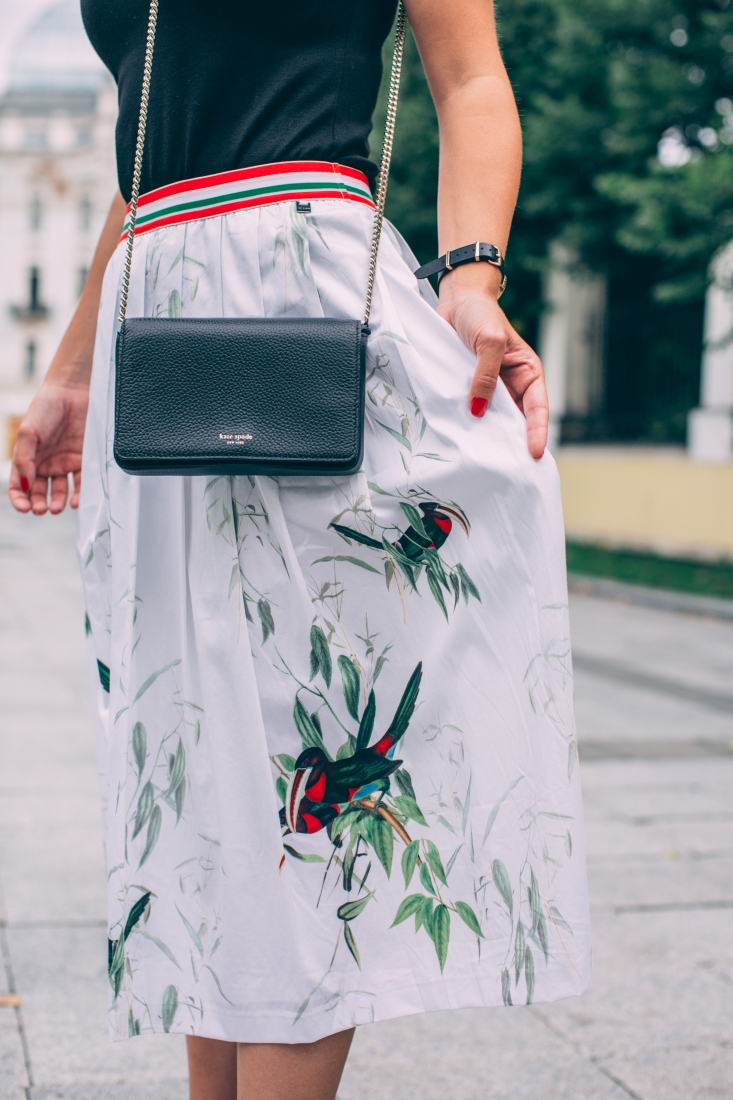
209	196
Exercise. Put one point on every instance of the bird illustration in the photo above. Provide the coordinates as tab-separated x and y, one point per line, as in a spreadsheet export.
437	524
319	788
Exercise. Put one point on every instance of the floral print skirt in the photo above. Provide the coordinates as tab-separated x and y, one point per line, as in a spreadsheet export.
335	713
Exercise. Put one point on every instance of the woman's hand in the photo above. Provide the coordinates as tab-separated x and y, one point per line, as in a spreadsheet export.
48	449
468	302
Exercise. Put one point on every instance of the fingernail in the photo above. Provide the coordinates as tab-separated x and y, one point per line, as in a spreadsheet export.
24	484
479	405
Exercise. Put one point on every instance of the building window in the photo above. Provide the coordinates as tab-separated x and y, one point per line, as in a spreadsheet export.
34	290
85	213
82	278
35	213
29	366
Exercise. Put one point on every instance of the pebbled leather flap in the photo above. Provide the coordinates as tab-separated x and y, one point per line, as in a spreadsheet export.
240	395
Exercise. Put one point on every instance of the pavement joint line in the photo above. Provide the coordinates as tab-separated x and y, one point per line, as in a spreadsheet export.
660	599
17	1009
673	906
623	673
698	748
594	1060
23	925
618	1082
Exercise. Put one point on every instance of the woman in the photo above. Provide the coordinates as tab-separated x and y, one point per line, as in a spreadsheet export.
337	731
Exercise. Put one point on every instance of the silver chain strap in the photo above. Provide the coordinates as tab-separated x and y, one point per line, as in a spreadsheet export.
139	146
394	85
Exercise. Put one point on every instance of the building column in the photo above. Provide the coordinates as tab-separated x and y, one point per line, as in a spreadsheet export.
572	340
710	427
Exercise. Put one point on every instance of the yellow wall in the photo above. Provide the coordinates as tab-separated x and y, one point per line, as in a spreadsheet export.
644	498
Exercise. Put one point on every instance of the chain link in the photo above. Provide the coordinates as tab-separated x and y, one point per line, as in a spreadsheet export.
394	85
139	146
394	89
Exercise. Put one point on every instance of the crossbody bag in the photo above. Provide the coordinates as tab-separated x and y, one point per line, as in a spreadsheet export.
243	395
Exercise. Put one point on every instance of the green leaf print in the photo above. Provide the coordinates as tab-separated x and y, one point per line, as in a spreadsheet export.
440	933
424	915
542	937
281	787
163	947
409	861
178	770
350	680
502	883
309	734
151	679
287	761
351	943
268	623
415	520
175	306
144	808
169	1007
139	745
436	590
348	557
467	915
156	820
396	435
520	946
180	799
506	988
135	913
426	880
103	676
436	864
467	586
497	806
404	782
321	653
308	857
529	974
383	843
535	901
409	807
408	907
366	726
351	909
195	938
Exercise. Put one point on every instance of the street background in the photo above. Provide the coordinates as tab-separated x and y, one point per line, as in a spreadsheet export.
654	691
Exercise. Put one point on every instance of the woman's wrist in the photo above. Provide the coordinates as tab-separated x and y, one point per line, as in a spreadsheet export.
482	278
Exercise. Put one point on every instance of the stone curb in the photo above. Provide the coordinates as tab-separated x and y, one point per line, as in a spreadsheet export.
580	584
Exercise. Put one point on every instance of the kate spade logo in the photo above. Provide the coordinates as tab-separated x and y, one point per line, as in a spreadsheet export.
234	439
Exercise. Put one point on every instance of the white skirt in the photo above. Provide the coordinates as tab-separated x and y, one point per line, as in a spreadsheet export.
336	717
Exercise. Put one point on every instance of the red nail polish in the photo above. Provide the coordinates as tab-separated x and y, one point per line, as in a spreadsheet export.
479	405
24	484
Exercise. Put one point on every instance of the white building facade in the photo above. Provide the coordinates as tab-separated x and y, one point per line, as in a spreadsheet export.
57	179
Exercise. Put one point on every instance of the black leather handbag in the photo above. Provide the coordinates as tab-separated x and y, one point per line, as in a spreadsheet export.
243	395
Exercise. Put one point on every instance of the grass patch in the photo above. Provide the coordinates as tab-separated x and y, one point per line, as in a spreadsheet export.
702	578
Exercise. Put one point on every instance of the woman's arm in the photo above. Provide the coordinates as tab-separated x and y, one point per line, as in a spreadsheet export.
50	437
480	165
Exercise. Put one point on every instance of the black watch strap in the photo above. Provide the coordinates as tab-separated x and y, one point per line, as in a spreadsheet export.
469	253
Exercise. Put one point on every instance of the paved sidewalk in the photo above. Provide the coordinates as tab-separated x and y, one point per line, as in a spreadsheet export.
655	715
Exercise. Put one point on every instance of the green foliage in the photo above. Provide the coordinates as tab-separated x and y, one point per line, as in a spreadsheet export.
599	84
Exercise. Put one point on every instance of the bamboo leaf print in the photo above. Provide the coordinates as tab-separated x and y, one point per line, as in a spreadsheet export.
425	879
116	949
287	761
195	938
177	771
519	949
408	907
350	680
415	520
409	807
163	947
437	591
268	623
151	679
321	653
351	909
175	306
156	819
366	726
396	435
351	943
506	988
497	806
467	915
542	937
309	734
409	861
169	1007
281	787
502	883
180	798
309	857
139	745
440	932
535	901
135	913
349	558
453	858
467	586
383	843
529	974
559	920
103	676
404	782
456	586
424	915
436	864
218	983
568	844
394	336
144	808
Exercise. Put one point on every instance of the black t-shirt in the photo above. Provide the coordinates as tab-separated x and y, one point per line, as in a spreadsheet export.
237	83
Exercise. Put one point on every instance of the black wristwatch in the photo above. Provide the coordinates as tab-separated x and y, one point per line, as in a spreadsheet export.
470	253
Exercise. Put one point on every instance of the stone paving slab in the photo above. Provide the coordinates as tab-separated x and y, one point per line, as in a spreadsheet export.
655	1024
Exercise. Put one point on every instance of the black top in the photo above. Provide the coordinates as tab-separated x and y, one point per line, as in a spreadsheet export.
237	82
